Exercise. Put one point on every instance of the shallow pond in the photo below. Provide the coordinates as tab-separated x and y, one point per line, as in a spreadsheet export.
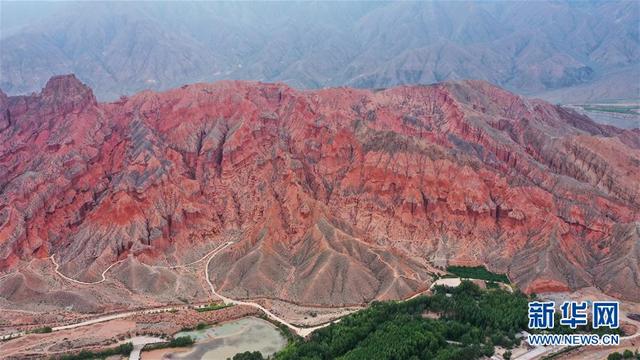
222	341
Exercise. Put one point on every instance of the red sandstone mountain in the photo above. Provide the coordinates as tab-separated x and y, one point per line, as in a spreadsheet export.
335	196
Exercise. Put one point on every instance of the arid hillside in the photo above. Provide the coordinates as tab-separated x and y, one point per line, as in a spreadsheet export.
334	196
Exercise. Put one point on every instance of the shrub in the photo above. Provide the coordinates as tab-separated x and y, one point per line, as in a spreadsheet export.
477	272
42	330
181	341
248	355
123	349
614	356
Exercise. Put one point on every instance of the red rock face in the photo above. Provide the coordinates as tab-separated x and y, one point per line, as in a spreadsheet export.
336	196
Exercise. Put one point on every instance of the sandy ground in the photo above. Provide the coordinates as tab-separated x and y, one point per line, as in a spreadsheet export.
167	324
92	337
452	282
109	334
304	315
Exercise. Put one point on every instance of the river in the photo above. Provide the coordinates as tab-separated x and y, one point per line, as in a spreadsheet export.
225	340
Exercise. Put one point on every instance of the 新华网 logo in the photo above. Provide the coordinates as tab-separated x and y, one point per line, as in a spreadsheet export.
574	314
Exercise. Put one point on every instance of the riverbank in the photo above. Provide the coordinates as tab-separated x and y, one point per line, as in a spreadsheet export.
224	340
98	336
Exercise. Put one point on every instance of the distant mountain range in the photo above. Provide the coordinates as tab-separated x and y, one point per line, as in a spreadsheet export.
560	51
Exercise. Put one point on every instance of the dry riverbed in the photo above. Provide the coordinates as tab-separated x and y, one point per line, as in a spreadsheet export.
108	334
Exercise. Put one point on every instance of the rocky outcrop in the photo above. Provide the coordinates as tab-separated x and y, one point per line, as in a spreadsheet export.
335	196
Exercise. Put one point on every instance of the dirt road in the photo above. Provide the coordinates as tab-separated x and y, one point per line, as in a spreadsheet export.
298	330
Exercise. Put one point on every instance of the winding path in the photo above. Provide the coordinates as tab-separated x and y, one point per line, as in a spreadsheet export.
57	266
103	275
212	252
101	319
301	331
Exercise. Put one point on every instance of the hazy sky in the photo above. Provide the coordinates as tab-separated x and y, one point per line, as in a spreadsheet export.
16	14
532	47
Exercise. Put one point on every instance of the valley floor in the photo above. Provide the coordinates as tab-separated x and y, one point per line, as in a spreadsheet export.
90	332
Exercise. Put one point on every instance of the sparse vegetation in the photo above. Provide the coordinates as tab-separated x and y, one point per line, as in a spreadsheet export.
614	356
248	355
446	276
181	341
558	353
212	307
124	350
42	330
477	272
627	354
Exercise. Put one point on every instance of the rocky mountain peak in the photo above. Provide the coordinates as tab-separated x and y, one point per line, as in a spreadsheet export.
68	92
